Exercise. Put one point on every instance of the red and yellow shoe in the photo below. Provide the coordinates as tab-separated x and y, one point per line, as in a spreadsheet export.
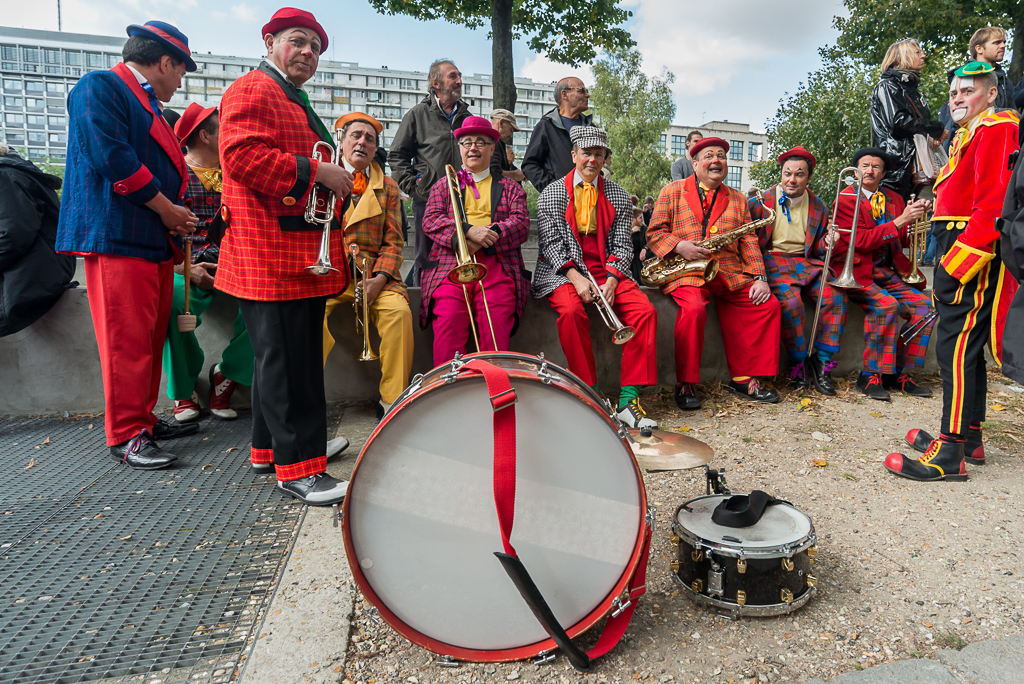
974	449
941	461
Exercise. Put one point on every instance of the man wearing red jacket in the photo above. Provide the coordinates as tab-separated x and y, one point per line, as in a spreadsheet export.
971	292
882	223
268	131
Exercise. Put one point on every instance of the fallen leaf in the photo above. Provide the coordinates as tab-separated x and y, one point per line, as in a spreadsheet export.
820	462
208	465
126	538
30	464
805	403
47	440
98	515
90	424
926	624
683	428
877	415
997	407
230	449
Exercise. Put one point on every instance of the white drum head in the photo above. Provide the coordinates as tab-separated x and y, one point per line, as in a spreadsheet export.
781	525
424	530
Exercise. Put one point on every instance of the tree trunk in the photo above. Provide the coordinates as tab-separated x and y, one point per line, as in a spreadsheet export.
1016	70
502	70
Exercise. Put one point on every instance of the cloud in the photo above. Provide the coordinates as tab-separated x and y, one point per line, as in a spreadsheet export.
543	70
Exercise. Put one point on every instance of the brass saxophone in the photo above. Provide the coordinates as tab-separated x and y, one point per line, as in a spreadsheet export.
656	272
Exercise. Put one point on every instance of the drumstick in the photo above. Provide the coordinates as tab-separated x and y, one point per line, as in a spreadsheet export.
187	321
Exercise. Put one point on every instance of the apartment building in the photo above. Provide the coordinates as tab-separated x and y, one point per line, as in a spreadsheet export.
745	147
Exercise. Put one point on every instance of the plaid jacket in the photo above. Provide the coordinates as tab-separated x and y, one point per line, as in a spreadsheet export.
677	217
508	212
205	205
266	139
870	237
120	155
559	245
817	220
374	222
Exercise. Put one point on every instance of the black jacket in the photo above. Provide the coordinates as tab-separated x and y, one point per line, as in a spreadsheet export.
898	112
549	154
424	144
32	275
1011	225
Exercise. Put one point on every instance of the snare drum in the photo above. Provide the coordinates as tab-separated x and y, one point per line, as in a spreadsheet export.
421	528
764	569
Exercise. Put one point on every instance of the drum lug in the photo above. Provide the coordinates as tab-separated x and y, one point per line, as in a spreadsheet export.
544	658
741	597
447	661
674	566
542	373
697	586
741	565
787	596
675	538
787	564
453	375
812	581
697	555
618	607
812	551
339	515
652	513
715	579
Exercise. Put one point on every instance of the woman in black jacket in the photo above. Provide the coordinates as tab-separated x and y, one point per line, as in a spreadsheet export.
898	111
32	275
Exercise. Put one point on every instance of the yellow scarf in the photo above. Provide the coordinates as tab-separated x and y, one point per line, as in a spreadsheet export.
585	209
878	205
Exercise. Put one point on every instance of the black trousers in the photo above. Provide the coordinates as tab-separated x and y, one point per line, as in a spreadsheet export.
289	407
963	329
423	243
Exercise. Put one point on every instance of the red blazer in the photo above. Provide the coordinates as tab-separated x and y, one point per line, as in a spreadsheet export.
266	143
869	236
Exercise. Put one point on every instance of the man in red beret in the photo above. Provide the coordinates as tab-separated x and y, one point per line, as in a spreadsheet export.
198	130
800	220
690	211
268	131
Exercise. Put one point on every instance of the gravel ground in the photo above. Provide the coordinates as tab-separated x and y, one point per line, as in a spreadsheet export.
905	568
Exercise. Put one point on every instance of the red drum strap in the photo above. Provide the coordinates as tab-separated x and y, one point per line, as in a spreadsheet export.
503	400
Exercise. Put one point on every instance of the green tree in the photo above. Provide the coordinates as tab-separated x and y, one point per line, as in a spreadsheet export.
829	115
568	31
635	110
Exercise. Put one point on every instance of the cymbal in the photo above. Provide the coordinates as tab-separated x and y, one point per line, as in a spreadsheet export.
664	450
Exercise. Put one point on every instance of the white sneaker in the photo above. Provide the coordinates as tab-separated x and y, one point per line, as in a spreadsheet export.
336	446
632	415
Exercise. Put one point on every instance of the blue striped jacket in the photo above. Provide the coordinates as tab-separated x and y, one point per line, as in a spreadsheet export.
120	155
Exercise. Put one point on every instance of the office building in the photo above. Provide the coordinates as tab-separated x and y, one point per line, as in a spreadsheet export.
745	147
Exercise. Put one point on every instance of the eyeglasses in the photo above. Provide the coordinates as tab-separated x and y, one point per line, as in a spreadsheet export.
582	91
479	144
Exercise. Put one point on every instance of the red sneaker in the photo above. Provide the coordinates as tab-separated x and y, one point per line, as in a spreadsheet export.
187	410
220	394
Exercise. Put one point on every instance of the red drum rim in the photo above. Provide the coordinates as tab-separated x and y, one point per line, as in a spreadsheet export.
528	650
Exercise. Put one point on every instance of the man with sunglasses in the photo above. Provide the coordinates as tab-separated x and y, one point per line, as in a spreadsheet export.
495	225
549	154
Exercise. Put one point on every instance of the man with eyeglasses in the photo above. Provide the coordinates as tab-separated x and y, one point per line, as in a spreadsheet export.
123	210
549	154
495	225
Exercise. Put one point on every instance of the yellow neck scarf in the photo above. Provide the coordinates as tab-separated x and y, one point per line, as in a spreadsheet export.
878	205
585	209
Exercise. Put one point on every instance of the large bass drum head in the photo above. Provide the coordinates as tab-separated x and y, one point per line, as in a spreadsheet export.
421	524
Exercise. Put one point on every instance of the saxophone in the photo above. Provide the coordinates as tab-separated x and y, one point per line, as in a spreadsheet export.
656	272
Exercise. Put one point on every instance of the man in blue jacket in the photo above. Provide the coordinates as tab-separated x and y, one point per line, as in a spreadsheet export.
122	209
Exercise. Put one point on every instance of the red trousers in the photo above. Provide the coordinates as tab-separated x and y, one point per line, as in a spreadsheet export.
750	333
130	301
639	355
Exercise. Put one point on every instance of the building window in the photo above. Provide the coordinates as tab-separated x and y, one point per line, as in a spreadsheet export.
36	138
734	178
13	102
678	145
15	137
34	86
112	61
34	104
52	56
73	58
754	152
56	121
736	150
35	121
54	88
14	119
12	86
58	138
94	60
9	52
30	55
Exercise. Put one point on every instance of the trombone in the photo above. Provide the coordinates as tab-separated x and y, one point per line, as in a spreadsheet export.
918	235
466	270
363	264
844	280
315	213
621	334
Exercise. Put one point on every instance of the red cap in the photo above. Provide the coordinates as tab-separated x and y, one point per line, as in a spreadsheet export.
194	115
799	152
707	142
287	17
476	125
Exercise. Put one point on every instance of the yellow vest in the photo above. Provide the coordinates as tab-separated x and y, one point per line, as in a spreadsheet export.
478	211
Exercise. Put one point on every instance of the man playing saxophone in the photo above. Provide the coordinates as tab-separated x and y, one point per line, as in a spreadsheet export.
690	211
373	222
584	230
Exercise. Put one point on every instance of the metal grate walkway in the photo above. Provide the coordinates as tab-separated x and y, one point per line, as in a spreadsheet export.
128	576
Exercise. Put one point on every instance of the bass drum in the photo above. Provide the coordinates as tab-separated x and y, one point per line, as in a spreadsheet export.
420	524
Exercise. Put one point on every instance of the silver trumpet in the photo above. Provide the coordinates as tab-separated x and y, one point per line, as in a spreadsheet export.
320	209
621	334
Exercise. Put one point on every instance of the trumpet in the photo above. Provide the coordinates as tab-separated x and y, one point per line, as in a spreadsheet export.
844	280
317	213
621	334
363	263
918	237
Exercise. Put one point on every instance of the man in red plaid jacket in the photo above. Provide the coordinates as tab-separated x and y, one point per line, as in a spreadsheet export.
268	131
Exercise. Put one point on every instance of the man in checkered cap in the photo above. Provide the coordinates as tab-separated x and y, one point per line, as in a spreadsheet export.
585	222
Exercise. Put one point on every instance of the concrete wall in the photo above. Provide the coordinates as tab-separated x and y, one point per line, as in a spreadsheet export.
53	366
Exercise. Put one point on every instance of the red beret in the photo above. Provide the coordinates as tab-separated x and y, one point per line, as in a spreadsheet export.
707	142
799	152
287	17
194	115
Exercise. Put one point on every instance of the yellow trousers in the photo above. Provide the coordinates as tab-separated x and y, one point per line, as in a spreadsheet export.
392	318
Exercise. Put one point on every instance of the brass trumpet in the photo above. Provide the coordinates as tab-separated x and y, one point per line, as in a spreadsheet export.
363	263
844	280
918	237
621	334
322	215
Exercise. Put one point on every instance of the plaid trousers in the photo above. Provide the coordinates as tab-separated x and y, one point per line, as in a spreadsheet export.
913	306
881	311
788	276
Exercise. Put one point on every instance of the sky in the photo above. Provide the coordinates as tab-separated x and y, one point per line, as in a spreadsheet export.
737	70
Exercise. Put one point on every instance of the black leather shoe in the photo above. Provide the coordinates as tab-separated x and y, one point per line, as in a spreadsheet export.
871	385
819	377
752	391
686	399
142	453
941	461
974	449
904	383
798	376
316	490
262	468
336	446
165	430
379	411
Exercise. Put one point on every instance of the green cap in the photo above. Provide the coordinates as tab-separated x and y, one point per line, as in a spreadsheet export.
975	69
